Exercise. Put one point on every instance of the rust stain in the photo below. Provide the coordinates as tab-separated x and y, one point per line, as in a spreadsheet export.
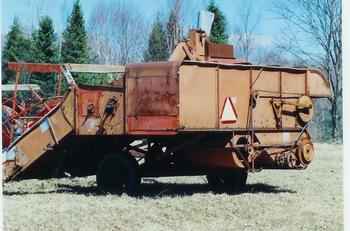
35	67
180	99
152	96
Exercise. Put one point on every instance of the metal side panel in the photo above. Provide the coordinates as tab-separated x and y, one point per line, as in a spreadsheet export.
234	83
152	98
100	111
198	97
37	142
318	84
68	108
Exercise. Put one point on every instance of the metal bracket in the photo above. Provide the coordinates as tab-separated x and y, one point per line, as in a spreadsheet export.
277	110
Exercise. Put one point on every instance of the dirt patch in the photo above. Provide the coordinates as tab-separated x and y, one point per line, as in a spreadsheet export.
275	200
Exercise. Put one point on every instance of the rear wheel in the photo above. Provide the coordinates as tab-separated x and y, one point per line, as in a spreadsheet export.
118	173
230	181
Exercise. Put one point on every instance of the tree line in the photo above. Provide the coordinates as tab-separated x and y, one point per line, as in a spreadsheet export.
115	34
42	46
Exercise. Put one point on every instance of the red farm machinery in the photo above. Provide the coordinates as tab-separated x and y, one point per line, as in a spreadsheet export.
203	112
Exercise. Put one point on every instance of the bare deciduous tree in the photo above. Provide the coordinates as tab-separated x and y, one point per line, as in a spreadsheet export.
271	56
314	35
244	30
174	24
117	33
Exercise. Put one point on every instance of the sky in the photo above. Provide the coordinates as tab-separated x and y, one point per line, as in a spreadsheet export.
29	11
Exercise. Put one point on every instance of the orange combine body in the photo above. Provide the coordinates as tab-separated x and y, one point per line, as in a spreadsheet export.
203	112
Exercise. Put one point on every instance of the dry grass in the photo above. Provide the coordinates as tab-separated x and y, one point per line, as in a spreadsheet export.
275	200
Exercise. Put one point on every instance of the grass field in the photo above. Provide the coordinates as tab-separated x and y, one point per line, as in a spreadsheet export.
275	200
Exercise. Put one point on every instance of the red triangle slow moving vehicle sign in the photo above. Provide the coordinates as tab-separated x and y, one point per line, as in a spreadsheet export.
229	113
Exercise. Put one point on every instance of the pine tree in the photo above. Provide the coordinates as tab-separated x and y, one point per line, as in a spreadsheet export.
17	48
45	51
74	45
157	43
45	42
218	31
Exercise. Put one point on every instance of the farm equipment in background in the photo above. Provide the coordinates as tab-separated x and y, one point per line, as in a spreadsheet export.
203	112
20	113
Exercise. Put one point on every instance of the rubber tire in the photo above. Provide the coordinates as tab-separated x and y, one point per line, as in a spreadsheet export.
117	174
230	182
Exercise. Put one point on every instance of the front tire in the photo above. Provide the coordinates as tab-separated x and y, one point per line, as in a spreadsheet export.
118	173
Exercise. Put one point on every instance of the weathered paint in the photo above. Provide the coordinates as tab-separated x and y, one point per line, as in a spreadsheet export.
152	98
42	137
179	103
204	87
35	67
100	111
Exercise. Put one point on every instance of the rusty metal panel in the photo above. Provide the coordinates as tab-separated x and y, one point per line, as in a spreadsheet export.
318	84
100	111
40	138
114	124
214	158
152	69
289	119
198	97
153	96
152	93
35	67
273	138
234	83
219	50
265	80
263	114
88	98
68	108
60	127
293	83
153	124
34	144
274	91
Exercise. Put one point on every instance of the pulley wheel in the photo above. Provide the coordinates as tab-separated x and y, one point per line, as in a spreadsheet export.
305	151
305	108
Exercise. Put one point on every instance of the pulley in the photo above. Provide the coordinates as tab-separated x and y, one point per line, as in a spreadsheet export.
305	151
305	109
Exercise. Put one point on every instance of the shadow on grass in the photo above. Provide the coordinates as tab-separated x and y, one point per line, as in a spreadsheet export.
266	188
156	189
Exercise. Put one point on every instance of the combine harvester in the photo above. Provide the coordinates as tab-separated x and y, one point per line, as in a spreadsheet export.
203	112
